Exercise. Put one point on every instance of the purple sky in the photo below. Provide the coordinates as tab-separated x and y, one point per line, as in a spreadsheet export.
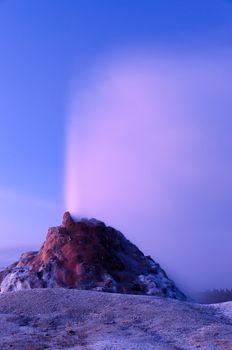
120	111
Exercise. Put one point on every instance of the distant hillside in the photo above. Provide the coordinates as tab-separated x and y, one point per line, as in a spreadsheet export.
214	296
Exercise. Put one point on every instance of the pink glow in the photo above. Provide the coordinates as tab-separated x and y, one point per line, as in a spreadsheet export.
127	141
136	152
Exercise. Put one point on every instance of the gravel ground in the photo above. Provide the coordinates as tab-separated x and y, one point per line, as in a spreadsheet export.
82	320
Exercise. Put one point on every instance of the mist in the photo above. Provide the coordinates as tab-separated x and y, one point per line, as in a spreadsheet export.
148	152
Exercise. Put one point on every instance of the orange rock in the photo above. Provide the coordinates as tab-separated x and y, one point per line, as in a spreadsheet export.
87	254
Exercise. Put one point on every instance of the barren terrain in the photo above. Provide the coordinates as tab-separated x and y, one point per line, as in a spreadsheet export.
85	320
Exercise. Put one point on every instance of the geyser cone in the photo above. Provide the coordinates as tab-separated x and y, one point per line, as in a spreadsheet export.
87	254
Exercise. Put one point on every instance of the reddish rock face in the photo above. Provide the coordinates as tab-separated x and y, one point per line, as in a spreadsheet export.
87	254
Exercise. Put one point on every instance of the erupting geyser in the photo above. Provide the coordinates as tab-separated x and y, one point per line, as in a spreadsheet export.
126	144
141	155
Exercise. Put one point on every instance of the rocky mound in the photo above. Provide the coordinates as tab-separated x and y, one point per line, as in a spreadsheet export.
87	254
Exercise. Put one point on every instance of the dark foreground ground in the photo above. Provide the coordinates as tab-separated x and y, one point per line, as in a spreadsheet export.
70	319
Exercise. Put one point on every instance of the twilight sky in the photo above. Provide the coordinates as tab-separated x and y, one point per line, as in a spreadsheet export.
120	110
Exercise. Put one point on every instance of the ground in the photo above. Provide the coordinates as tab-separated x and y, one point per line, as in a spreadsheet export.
85	320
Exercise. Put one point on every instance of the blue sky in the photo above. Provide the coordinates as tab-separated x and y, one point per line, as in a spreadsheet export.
47	44
42	42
